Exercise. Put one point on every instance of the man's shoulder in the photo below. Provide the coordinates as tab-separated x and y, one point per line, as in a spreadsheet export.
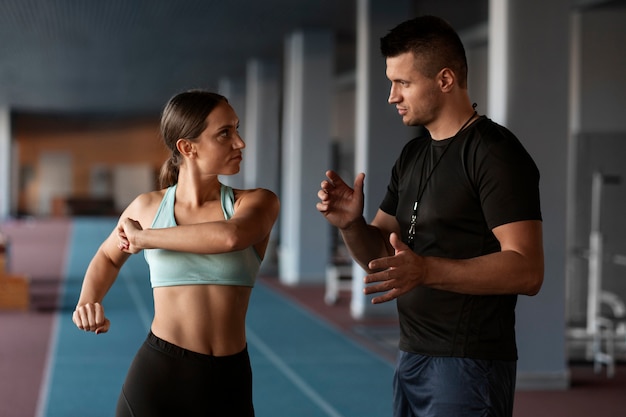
491	138
491	132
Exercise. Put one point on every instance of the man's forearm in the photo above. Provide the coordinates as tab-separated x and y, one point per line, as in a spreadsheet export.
365	242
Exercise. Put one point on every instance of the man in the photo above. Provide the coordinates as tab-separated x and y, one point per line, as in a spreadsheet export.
457	237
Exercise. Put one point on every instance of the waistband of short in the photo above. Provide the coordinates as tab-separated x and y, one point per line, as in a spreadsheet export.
174	350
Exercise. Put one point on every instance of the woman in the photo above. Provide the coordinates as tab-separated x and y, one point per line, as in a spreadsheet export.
194	361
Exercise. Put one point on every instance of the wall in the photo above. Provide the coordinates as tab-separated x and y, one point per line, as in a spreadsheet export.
94	146
597	143
602	66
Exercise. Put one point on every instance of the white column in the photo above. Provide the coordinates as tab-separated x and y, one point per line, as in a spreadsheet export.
5	163
305	234
380	133
261	130
536	111
235	91
498	61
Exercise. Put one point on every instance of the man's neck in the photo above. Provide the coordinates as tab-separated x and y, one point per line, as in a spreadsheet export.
450	124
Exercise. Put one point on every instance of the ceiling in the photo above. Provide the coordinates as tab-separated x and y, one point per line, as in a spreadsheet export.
130	56
90	56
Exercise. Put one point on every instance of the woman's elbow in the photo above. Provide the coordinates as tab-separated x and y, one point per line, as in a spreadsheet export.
232	243
237	240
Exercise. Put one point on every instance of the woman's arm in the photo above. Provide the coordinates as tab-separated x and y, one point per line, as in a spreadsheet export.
255	214
104	268
99	277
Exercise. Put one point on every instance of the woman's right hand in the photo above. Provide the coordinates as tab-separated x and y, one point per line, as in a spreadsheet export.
90	318
127	230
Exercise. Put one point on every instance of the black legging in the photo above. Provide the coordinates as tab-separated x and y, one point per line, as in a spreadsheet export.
166	380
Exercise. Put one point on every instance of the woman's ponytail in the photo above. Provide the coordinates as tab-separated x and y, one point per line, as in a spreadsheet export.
169	171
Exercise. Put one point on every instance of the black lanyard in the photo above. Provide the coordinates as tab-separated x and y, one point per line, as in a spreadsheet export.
420	192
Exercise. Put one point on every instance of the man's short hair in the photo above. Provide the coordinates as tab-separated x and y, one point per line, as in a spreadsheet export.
434	43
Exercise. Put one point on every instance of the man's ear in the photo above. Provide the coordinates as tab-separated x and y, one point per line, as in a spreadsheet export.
446	79
186	147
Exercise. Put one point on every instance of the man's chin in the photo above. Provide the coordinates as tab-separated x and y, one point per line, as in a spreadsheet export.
408	121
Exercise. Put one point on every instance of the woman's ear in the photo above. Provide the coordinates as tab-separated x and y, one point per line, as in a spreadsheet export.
186	148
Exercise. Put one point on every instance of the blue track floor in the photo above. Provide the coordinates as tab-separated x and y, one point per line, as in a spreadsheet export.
302	367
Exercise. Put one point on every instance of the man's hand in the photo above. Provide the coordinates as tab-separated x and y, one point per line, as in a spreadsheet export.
398	274
340	204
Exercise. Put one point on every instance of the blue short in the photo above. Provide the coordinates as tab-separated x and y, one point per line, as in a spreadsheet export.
427	386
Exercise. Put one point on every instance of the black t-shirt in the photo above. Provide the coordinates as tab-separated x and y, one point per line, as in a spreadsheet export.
484	178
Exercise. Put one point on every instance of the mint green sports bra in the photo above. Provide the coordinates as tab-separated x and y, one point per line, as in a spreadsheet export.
169	268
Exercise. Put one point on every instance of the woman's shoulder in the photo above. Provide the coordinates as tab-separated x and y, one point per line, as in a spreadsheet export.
150	198
255	192
257	196
145	204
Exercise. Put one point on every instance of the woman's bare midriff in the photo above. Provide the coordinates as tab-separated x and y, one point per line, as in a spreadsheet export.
207	319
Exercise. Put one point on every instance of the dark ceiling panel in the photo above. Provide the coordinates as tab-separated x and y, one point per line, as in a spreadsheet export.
131	55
